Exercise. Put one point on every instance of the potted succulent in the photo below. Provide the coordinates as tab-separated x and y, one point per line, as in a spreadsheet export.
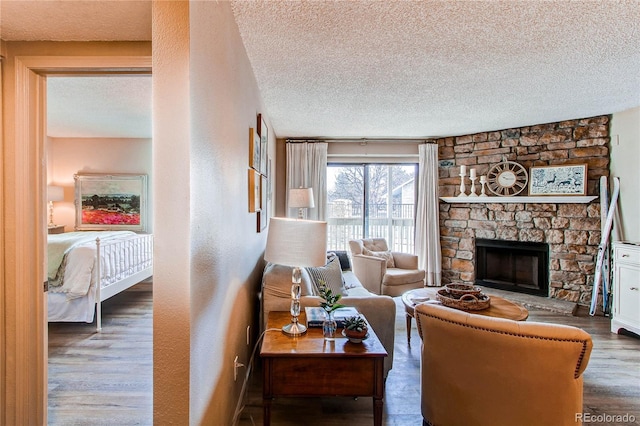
355	328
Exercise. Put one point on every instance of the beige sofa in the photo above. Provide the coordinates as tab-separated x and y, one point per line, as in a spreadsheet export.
380	311
478	370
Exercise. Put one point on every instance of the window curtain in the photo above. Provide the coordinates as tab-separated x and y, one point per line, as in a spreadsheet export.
307	168
427	218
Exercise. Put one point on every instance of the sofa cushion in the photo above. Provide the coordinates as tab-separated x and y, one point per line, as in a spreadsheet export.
382	254
351	281
402	276
276	281
359	291
329	274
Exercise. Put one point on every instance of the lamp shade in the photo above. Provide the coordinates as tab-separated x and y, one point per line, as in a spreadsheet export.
301	198
294	242
55	193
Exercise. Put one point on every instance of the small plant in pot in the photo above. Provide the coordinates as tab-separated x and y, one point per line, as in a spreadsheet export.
355	328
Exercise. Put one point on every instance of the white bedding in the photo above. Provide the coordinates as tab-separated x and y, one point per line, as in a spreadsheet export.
75	298
78	268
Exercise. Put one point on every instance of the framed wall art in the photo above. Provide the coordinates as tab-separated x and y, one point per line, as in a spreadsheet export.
263	132
255	191
570	179
263	214
111	202
254	150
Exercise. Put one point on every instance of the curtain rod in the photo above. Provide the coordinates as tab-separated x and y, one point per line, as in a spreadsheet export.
361	141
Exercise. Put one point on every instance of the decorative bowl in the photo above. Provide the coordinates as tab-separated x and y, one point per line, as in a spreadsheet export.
462	289
466	302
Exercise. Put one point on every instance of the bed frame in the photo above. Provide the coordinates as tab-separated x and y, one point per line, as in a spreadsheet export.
137	261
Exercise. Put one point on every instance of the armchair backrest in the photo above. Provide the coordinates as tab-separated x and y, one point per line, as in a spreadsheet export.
373	244
483	370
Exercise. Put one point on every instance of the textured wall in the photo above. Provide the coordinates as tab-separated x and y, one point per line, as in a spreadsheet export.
172	228
571	230
625	156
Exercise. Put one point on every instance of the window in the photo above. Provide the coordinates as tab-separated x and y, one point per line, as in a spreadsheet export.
371	200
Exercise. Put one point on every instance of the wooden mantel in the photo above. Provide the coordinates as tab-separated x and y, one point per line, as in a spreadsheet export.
550	199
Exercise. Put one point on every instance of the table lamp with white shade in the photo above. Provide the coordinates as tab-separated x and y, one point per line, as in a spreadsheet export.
302	199
54	193
296	243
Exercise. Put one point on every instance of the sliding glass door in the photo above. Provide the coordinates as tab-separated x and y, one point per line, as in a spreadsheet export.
371	200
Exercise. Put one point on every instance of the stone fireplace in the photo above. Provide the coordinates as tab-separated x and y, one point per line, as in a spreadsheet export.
513	265
571	231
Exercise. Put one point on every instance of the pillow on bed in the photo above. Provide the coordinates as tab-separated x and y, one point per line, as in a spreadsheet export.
329	274
383	254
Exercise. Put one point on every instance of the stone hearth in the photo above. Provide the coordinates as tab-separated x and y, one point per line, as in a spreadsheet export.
571	230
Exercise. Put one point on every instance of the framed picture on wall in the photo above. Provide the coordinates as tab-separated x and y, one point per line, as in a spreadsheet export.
254	191
263	132
111	202
254	150
263	214
570	179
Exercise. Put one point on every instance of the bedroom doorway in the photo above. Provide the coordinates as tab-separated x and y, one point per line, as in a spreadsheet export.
25	225
99	129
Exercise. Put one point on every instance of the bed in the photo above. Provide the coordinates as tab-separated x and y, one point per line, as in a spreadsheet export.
78	261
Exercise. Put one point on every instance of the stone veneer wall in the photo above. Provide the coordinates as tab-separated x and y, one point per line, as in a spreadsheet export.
571	230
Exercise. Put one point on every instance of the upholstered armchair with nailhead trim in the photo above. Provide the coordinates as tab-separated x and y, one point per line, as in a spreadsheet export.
479	370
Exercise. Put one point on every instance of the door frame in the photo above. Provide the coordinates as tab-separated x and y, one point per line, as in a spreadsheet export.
23	396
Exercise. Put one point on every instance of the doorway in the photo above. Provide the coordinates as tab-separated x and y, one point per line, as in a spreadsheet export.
24	225
98	123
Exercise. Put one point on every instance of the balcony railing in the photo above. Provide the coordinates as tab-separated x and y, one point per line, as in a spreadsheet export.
345	222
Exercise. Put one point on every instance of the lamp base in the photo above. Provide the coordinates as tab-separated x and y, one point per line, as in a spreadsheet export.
294	329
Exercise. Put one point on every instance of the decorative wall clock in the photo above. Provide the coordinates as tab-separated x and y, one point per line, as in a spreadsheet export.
507	179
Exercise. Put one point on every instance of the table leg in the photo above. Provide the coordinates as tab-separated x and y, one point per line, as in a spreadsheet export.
267	392
377	411
266	411
409	328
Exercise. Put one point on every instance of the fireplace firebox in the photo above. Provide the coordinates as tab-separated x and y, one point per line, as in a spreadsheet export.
513	265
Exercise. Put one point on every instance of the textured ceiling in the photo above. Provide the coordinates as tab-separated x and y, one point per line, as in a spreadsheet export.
397	69
436	68
73	20
99	106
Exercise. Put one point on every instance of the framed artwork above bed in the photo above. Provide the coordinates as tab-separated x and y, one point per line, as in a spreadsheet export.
111	202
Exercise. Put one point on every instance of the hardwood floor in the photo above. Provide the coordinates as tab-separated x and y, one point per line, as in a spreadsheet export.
611	382
106	378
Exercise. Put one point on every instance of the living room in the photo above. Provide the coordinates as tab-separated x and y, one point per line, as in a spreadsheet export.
206	97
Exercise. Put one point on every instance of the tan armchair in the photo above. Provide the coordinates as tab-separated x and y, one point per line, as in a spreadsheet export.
370	259
479	370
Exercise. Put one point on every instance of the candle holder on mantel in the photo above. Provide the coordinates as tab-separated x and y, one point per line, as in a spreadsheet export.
473	186
483	182
462	188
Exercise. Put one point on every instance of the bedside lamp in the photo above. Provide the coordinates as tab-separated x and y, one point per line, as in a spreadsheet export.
54	193
296	243
302	199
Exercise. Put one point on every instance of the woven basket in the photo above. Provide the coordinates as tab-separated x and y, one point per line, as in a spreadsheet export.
462	289
466	302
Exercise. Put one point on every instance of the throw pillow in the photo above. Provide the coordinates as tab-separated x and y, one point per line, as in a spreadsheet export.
343	256
329	274
383	254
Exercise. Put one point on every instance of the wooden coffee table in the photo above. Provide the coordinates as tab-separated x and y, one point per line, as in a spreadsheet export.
499	308
309	366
